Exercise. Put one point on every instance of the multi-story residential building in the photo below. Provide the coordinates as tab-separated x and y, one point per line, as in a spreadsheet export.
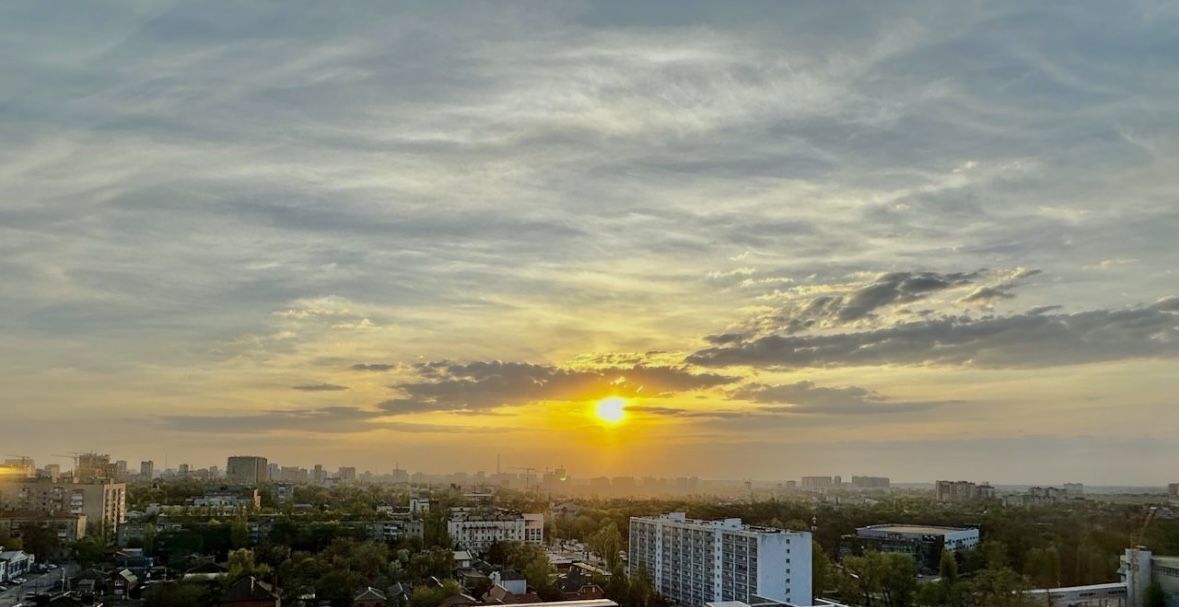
963	491
477	530
103	504
870	482
1173	489
147	470
924	543
247	470
346	474
694	562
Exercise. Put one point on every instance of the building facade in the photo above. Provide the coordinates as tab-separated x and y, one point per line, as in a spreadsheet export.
694	562
924	543
103	504
247	470
477	531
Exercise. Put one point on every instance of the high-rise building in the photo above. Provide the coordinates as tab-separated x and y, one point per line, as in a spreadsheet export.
694	562
52	471
346	473
247	469
147	470
318	475
183	471
94	468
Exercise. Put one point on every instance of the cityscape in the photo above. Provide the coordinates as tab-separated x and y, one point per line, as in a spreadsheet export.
589	303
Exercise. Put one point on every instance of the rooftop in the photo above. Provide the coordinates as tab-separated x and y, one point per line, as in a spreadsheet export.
914	529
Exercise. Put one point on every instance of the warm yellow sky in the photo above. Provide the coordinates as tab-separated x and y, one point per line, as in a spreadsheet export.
920	243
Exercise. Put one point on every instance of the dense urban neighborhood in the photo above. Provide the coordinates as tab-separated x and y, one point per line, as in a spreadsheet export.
262	534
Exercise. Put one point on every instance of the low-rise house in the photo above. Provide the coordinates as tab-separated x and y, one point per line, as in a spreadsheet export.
370	597
251	592
14	564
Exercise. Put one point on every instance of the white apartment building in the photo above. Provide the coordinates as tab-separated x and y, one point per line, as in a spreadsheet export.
695	562
477	531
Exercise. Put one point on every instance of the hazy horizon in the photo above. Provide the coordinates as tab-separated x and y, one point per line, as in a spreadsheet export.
761	240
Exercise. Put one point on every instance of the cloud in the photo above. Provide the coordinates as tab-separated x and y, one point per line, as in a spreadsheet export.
1033	339
451	386
319	388
806	397
325	420
372	367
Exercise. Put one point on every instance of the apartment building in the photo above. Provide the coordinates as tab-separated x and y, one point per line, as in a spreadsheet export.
247	470
694	562
477	530
104	504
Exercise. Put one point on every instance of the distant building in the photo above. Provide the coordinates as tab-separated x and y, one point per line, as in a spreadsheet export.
228	500
924	543
247	470
1173	489
963	491
693	561
346	474
95	468
813	483
147	470
1074	489
870	482
478	530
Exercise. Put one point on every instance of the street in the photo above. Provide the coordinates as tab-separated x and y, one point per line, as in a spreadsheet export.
36	583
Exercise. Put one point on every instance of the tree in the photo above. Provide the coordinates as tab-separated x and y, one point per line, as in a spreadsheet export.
173	594
427	596
88	551
821	568
1000	587
641	591
1154	596
41	541
239	534
606	543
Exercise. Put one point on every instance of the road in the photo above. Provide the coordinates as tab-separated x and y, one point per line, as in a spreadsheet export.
37	583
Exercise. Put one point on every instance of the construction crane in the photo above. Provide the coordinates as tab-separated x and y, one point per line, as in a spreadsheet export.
1137	537
73	457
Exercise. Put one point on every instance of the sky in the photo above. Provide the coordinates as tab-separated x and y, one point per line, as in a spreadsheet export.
920	240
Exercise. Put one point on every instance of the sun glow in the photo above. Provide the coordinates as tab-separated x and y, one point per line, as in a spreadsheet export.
611	410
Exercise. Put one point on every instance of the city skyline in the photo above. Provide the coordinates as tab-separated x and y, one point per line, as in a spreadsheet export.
917	241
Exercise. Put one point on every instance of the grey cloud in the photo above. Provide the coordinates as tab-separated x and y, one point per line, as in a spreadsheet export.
806	397
1026	340
372	367
480	385
325	420
320	388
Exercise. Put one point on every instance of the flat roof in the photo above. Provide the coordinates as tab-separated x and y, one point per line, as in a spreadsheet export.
920	529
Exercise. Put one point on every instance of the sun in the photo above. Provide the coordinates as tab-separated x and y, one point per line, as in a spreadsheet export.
611	410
